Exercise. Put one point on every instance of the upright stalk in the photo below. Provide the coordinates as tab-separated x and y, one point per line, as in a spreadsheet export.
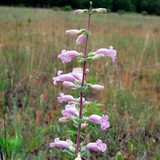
83	79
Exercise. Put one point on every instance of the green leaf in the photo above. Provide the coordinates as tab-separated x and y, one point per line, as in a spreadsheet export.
69	152
82	89
84	152
99	104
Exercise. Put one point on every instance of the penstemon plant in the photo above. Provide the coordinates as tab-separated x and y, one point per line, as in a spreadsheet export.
76	80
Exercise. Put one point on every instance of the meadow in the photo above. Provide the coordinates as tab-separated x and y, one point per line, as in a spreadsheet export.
30	41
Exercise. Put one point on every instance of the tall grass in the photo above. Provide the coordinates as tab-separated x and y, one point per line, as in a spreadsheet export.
31	39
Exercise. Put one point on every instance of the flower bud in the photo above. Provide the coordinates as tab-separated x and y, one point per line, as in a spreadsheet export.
80	39
69	84
65	119
78	157
101	10
83	125
97	87
80	11
72	32
97	56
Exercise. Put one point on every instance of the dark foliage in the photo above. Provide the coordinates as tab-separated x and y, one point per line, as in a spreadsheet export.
150	6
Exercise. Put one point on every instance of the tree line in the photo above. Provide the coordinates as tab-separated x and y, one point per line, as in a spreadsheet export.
150	6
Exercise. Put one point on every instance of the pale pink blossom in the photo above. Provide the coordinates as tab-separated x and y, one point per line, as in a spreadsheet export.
69	84
78	157
108	52
72	32
66	56
65	119
80	39
97	87
79	11
101	10
96	146
100	120
63	77
70	110
58	143
65	98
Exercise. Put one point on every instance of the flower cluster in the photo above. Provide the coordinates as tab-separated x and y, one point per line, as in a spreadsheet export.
76	80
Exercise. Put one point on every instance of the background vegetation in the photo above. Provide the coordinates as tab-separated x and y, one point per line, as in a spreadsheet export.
150	6
31	39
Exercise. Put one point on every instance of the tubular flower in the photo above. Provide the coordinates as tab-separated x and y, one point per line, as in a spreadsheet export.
66	56
80	39
65	119
69	84
101	10
58	143
78	157
97	87
98	145
77	73
108	52
79	11
70	110
63	77
100	120
65	98
72	32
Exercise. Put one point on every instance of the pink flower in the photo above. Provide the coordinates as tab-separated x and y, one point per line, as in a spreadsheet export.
97	87
100	120
108	52
98	145
65	98
77	73
69	84
58	143
66	56
80	39
70	110
101	10
78	157
78	11
63	77
72	32
65	119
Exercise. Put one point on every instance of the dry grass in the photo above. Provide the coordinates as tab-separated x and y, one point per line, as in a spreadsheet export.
31	40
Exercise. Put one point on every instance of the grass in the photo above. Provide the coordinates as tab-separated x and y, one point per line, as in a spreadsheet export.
31	39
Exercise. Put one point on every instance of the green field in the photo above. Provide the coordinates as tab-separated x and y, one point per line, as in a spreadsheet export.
30	41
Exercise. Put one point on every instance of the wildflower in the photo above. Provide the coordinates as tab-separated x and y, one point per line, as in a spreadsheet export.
97	87
65	98
79	11
78	157
63	77
97	56
70	110
98	145
72	32
69	84
100	120
66	56
65	119
101	10
58	143
80	39
108	52
77	73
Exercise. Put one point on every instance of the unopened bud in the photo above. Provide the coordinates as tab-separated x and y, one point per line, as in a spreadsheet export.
101	10
97	56
80	11
83	125
97	87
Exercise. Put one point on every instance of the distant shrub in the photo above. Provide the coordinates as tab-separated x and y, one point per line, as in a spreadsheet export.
120	12
55	8
144	13
108	10
67	8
